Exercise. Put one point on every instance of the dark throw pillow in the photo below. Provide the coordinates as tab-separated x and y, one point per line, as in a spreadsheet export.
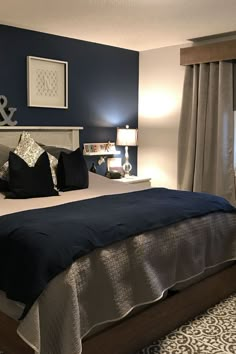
4	187
30	182
72	171
54	150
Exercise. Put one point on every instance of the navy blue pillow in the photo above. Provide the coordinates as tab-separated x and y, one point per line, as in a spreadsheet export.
54	150
4	186
72	171
30	182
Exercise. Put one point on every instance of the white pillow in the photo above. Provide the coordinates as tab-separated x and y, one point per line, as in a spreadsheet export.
30	151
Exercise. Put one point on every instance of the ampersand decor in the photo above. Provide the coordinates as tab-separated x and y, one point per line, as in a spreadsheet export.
6	113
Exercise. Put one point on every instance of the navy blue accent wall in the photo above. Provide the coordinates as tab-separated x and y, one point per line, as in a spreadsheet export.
102	84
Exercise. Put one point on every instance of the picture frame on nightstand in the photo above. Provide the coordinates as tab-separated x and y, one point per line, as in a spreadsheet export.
115	164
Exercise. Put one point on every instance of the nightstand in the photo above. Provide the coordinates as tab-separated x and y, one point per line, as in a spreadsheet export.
142	181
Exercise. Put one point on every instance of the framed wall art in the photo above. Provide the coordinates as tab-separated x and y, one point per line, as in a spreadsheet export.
47	83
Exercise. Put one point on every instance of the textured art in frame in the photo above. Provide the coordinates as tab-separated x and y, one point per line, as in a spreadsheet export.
47	83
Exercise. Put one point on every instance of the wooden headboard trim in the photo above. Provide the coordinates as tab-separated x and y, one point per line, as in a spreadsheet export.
48	135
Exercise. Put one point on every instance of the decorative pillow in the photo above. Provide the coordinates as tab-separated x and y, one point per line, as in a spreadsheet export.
29	151
55	150
30	182
4	154
4	187
72	171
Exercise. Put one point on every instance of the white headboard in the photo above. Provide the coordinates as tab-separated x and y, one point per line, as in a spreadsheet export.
67	137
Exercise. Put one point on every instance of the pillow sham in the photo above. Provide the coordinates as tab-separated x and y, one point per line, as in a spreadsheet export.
29	151
55	150
72	171
30	182
4	187
4	154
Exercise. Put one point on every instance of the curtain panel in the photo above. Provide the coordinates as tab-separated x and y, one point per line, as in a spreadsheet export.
206	132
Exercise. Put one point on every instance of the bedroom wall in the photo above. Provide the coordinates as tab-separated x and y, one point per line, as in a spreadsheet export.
160	94
103	84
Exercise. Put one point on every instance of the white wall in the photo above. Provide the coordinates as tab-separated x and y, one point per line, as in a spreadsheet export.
160	94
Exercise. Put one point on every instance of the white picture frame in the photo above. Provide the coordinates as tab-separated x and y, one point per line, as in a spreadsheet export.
115	164
47	83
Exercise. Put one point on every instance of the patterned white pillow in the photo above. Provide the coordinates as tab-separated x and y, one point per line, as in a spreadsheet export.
30	151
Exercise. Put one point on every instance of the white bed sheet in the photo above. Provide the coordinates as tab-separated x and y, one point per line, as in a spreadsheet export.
98	185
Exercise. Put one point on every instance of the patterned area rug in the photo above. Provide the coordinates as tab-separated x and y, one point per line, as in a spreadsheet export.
213	332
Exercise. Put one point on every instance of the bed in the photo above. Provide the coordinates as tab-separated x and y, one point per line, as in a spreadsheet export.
114	298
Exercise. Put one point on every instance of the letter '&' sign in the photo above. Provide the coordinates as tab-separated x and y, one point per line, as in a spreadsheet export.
6	113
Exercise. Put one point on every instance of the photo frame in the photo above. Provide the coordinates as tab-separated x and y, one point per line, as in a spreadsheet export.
100	148
47	83
115	164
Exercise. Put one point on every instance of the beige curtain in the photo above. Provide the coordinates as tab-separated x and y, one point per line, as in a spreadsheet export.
206	132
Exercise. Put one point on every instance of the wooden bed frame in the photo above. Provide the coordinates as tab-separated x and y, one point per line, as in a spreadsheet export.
133	333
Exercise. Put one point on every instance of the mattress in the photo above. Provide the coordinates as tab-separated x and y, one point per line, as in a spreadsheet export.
107	284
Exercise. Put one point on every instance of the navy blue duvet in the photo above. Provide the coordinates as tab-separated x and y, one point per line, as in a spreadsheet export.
36	245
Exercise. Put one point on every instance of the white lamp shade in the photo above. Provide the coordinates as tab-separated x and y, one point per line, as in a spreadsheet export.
127	137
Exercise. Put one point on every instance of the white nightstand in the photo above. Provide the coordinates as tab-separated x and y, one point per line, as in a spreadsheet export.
142	181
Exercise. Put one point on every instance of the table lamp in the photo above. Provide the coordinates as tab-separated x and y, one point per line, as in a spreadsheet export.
127	137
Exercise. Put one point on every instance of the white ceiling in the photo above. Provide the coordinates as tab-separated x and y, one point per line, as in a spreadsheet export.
132	24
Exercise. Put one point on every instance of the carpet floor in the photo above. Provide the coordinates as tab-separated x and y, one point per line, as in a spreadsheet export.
213	332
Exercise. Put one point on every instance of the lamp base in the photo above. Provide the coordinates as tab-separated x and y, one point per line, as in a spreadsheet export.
127	167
